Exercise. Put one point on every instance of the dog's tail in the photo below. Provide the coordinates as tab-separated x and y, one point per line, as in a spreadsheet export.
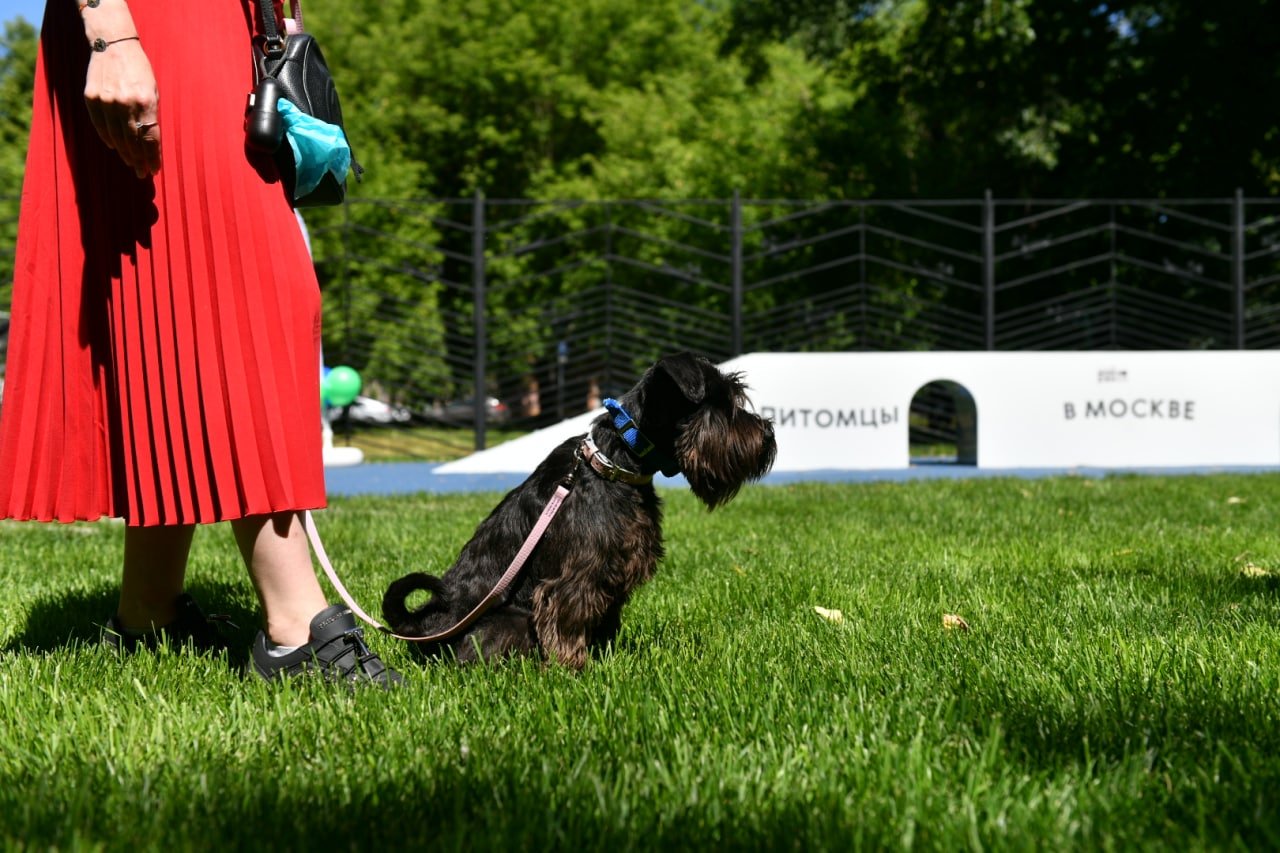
394	607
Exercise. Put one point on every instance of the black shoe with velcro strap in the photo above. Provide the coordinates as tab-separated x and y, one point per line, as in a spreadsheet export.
337	652
190	627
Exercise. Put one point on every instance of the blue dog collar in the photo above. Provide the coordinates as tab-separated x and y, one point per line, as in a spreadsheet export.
629	431
628	428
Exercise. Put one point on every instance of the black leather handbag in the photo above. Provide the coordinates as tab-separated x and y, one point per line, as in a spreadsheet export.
290	65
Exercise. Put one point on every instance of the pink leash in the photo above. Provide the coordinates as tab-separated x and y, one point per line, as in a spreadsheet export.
530	542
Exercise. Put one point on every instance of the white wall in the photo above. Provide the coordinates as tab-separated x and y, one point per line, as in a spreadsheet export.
1034	409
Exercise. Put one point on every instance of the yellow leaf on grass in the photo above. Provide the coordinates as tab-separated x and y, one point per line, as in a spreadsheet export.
830	615
1252	571
954	620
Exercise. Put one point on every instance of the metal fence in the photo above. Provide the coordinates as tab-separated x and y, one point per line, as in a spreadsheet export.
546	306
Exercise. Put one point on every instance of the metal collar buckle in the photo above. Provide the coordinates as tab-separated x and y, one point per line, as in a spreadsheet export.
607	468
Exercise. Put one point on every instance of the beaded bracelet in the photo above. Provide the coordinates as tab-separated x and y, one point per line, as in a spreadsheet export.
99	45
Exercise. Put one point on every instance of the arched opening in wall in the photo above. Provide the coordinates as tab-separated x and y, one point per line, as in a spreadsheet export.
943	424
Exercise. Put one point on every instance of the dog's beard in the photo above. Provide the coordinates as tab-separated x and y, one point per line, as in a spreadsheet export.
719	451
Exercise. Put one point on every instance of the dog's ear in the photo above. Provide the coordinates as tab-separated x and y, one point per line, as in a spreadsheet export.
686	370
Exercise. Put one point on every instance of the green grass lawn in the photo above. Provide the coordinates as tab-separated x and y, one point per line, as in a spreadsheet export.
418	443
1118	686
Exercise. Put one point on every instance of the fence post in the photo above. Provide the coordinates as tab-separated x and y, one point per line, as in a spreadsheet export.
344	290
1237	264
989	267
611	332
735	272
478	287
1113	286
346	286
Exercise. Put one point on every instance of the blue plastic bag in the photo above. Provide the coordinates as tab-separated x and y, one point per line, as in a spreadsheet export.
318	148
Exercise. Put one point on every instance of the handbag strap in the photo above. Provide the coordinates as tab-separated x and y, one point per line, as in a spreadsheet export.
271	30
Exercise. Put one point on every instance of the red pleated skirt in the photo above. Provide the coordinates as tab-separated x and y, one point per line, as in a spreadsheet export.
163	358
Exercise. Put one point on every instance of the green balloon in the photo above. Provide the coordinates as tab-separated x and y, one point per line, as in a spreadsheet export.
341	385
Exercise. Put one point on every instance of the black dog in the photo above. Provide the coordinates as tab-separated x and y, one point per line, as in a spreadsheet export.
683	416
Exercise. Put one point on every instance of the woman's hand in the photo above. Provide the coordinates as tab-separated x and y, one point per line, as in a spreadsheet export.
120	93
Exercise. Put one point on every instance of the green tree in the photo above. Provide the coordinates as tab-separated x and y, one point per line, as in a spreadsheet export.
17	81
1036	97
518	98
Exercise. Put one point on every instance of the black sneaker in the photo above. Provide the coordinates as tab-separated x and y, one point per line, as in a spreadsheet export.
336	653
190	627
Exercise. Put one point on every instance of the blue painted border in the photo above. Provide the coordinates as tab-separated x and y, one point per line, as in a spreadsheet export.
400	478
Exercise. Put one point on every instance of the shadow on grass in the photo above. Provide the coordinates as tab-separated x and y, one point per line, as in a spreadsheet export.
468	811
62	620
463	813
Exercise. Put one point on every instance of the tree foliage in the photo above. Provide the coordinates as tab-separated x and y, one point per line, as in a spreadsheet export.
1057	98
700	99
17	80
791	98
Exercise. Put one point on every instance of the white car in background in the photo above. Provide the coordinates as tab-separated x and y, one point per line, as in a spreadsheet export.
367	410
463	412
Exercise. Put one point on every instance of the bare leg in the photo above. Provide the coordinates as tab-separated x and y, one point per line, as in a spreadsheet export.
155	567
274	547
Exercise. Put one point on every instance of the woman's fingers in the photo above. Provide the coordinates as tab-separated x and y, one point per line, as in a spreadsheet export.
98	116
147	134
140	148
123	103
